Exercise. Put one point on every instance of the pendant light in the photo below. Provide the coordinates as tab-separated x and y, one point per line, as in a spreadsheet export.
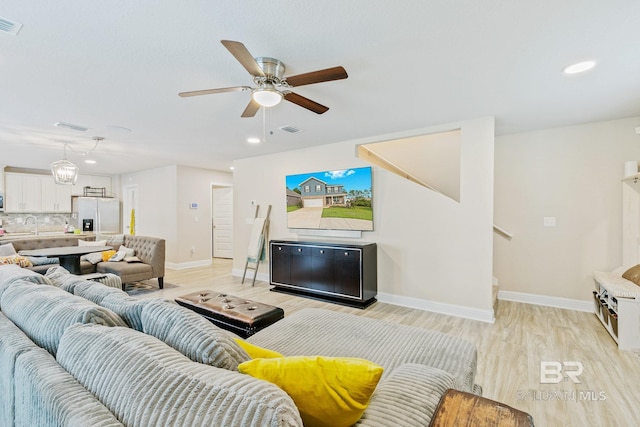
66	173
63	171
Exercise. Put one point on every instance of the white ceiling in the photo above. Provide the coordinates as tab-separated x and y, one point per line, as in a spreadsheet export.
411	64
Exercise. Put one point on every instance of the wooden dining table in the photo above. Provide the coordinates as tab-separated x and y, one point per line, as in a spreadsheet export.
68	256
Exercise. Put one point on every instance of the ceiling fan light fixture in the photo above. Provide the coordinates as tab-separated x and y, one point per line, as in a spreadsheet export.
267	96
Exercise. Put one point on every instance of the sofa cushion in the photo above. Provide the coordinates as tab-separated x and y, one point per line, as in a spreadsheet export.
7	249
13	342
42	260
409	395
47	395
95	291
92	242
134	271
328	391
44	312
144	383
12	273
385	343
128	308
122	253
61	278
191	334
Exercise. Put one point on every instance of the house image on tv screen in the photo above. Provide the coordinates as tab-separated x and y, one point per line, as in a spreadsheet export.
332	200
318	194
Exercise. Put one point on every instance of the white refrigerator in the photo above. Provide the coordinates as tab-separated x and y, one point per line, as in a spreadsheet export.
102	213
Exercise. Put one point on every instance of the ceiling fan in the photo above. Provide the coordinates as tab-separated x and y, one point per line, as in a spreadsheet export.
271	85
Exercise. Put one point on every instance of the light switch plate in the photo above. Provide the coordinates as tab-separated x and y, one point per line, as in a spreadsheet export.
549	221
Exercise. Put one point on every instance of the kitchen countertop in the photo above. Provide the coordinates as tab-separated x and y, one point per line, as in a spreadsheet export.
41	235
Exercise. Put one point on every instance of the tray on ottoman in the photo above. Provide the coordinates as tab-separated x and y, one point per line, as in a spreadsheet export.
239	315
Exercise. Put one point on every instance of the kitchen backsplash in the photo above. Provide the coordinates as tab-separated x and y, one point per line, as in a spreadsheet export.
15	222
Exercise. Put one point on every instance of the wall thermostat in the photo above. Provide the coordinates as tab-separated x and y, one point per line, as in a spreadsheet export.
193	205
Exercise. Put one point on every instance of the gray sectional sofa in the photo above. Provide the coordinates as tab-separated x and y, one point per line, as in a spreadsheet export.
77	353
149	250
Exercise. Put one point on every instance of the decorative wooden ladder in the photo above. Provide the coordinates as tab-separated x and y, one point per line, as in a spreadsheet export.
257	242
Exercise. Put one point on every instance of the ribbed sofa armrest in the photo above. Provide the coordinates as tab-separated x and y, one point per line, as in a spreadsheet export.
150	250
407	397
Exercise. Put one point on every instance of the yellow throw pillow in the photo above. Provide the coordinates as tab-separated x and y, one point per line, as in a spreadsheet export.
256	352
107	254
328	391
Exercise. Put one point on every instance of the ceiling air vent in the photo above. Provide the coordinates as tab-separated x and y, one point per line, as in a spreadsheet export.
290	129
71	126
9	27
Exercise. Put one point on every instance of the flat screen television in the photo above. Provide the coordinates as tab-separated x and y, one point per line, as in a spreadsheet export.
330	200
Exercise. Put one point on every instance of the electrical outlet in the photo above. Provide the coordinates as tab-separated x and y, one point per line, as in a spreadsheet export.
193	250
549	221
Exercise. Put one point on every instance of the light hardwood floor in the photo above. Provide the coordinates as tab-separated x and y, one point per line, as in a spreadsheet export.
509	351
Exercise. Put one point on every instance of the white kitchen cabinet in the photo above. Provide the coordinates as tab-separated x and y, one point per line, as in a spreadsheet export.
55	197
23	192
36	193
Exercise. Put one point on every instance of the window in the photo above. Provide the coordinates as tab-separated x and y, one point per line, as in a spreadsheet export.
307	189
318	188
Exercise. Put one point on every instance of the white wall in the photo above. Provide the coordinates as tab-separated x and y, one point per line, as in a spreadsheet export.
194	225
163	210
433	252
573	174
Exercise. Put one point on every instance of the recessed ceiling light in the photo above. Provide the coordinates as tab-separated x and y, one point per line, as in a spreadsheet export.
231	167
579	67
91	162
253	140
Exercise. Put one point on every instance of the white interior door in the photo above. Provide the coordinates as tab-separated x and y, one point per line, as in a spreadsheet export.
222	222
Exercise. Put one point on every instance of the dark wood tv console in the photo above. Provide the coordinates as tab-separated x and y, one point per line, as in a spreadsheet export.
336	272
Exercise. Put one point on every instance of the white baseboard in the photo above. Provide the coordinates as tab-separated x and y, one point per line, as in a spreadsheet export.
558	302
260	276
438	307
190	264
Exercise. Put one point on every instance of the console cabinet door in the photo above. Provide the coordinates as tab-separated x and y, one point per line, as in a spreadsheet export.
347	272
301	266
322	269
280	264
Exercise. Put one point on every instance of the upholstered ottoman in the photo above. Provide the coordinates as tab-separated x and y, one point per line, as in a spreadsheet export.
238	315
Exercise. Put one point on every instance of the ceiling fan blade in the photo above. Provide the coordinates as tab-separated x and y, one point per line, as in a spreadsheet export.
327	75
305	103
252	109
240	52
212	91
